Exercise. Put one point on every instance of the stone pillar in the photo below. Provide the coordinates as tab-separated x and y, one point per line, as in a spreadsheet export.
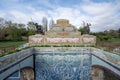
97	73
27	74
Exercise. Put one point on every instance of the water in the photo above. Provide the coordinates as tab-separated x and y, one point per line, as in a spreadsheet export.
62	66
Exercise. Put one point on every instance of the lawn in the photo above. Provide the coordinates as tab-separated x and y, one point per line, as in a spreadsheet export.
11	43
114	40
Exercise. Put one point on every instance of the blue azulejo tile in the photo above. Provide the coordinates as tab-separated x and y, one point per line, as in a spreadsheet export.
62	67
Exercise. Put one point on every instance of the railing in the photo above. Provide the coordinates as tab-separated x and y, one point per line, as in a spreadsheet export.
108	62
106	55
8	59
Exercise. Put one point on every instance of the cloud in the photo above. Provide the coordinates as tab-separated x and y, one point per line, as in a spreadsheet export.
22	17
19	16
38	15
30	8
2	14
102	15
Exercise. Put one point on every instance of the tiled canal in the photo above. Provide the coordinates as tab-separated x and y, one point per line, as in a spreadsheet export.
62	66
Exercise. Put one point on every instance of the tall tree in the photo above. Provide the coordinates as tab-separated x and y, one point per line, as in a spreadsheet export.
87	28
45	22
51	23
2	22
2	29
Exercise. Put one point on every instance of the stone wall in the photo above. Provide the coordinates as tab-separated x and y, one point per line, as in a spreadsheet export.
43	40
62	33
63	22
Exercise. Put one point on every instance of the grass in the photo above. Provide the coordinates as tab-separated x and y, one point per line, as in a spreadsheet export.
108	40
114	40
11	43
8	47
11	52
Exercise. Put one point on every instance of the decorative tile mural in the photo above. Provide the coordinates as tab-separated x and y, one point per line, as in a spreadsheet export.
88	40
63	40
62	66
36	40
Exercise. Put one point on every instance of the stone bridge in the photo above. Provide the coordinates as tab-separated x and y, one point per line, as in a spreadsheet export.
23	61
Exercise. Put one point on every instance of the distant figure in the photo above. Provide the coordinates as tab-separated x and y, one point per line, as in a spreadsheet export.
87	28
39	29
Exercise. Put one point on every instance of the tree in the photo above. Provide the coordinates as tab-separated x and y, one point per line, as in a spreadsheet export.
3	33
8	23
20	25
87	28
31	28
51	23
119	32
45	22
14	33
2	29
31	25
30	32
81	29
2	22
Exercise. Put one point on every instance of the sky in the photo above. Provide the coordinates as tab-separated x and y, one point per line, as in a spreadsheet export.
102	14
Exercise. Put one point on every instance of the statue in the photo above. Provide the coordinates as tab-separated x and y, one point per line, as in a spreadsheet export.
87	28
39	29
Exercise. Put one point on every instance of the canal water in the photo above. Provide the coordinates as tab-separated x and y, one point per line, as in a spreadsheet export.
62	66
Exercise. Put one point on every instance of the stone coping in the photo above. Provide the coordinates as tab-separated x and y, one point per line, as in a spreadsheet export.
9	59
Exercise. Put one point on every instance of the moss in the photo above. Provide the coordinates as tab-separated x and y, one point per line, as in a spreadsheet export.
64	46
13	51
2	55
